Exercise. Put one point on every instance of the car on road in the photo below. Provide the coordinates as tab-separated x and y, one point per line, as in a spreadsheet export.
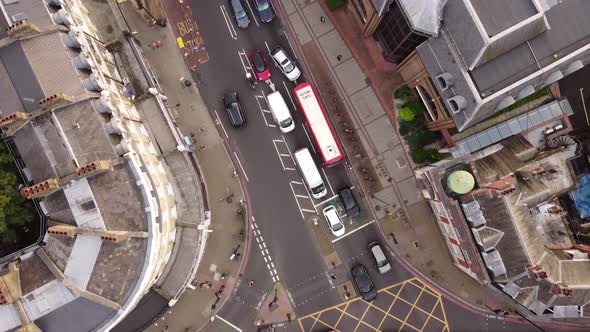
234	110
334	223
259	64
379	258
350	205
287	66
265	11
364	283
240	14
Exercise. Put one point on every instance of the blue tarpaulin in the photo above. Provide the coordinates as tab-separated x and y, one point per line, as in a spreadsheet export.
581	197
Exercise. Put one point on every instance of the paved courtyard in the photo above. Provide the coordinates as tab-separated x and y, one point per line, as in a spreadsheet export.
409	305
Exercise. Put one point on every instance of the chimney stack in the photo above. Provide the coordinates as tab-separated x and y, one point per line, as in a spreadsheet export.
63	230
22	29
42	189
94	168
114	236
55	101
14	120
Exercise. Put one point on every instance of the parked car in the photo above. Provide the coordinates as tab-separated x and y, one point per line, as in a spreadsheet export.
334	223
240	14
350	205
265	11
259	65
234	110
364	283
379	258
286	65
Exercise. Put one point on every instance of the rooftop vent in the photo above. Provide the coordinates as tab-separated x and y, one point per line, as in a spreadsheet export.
526	91
445	80
113	127
553	77
574	66
457	103
61	17
92	84
104	105
122	148
507	101
82	61
71	39
54	3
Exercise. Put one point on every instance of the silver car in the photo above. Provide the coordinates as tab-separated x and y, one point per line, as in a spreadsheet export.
287	66
240	14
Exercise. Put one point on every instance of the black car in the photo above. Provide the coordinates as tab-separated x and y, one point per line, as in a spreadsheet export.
364	282
352	209
234	110
265	11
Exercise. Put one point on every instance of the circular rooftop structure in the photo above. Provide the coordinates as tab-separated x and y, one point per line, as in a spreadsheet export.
460	182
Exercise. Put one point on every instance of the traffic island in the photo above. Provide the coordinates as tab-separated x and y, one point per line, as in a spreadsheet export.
276	307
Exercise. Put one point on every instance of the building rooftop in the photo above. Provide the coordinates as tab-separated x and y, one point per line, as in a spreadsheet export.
497	52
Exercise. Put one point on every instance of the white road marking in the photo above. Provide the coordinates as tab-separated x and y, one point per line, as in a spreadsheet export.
253	16
267	48
268	267
326	200
290	169
309	139
289	94
275	279
302	196
307	210
264	244
288	148
230	27
260	246
258	239
353	231
296	182
228	323
266	111
261	111
266	250
221	124
328	180
296	201
284	155
290	45
280	159
273	266
274	270
241	167
265	259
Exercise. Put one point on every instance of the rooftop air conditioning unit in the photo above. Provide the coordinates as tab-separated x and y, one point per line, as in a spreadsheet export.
445	80
61	17
71	39
457	103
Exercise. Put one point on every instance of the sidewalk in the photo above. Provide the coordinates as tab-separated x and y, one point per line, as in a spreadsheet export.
356	85
196	306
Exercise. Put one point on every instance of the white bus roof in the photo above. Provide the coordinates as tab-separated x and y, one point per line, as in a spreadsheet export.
316	119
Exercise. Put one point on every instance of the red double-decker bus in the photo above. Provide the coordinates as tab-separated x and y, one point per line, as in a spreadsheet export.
318	124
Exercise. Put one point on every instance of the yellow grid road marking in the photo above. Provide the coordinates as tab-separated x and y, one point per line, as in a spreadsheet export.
395	297
415	282
342	314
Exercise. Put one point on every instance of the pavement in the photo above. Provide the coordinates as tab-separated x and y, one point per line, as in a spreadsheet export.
228	231
357	87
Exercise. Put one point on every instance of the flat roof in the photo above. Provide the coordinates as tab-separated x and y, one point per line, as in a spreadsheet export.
499	15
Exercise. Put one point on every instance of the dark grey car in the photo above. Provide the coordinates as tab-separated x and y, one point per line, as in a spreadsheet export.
240	14
265	11
364	282
234	110
352	208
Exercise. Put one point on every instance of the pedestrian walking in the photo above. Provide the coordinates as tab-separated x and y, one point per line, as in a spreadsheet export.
251	283
202	147
322	19
339	57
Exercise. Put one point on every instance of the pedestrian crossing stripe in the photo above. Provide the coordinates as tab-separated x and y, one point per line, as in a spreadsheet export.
180	42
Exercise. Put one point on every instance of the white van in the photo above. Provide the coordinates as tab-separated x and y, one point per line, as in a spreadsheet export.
310	173
280	112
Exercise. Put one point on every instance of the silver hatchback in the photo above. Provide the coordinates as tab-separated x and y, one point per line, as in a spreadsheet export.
240	14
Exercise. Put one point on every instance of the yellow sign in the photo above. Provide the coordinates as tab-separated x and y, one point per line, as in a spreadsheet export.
180	42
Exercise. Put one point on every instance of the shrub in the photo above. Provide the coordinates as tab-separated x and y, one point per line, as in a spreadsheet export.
419	155
416	106
402	92
335	4
433	155
406	114
404	130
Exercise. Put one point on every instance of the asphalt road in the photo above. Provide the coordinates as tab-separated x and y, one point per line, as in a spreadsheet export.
283	247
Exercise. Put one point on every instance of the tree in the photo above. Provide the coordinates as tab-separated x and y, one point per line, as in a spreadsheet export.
419	155
402	92
406	114
15	210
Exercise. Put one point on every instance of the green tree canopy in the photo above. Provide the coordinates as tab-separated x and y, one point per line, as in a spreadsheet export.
15	210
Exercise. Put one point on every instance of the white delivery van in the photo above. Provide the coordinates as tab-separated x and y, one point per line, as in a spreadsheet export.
280	112
310	173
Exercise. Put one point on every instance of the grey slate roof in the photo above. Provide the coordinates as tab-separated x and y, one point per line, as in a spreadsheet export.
516	57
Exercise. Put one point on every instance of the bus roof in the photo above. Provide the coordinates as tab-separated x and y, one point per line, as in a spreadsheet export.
318	123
